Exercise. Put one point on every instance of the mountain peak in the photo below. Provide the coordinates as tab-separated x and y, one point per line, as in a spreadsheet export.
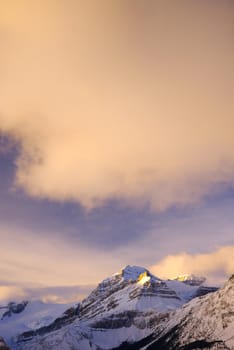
191	279
132	273
136	273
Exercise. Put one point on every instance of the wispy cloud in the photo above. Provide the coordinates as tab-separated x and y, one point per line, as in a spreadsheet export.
216	265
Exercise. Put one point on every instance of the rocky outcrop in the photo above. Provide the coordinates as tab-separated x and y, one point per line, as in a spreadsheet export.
13	308
203	290
3	345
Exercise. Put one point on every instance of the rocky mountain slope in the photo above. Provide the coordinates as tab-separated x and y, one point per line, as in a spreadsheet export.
124	308
203	323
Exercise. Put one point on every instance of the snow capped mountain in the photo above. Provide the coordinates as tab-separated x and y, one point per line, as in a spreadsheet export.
126	307
16	318
134	288
203	323
191	279
135	273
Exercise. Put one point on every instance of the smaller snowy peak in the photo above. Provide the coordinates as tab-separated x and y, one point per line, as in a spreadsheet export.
191	279
16	318
12	308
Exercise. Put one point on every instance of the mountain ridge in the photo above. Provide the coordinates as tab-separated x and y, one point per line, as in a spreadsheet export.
124	307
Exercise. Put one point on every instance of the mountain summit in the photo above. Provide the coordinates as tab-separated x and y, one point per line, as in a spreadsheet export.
135	273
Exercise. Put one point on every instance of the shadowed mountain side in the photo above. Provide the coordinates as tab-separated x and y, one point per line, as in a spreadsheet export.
3	345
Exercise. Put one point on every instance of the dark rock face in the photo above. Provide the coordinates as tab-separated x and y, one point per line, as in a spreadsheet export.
231	279
153	288
3	345
14	308
128	318
203	290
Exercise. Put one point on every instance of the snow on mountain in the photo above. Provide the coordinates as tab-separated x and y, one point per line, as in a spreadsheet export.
204	323
134	288
191	279
135	273
123	308
210	317
16	318
184	291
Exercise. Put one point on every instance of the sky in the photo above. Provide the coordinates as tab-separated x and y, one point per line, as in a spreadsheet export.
116	142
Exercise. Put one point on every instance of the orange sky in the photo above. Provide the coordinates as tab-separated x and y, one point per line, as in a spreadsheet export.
130	99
